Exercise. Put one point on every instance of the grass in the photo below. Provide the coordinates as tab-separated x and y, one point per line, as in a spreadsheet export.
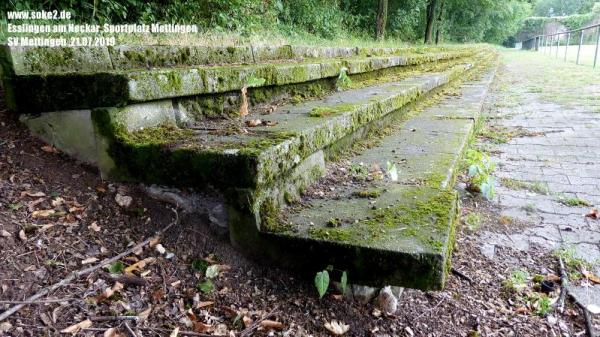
574	264
529	208
574	202
536	187
473	221
516	281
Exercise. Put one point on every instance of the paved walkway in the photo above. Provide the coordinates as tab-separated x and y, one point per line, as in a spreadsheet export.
557	107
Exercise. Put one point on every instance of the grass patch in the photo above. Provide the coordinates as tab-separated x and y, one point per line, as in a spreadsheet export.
574	202
573	263
514	184
473	221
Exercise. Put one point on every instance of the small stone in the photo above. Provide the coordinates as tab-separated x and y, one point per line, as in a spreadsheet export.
363	294
160	249
6	234
170	256
123	200
387	301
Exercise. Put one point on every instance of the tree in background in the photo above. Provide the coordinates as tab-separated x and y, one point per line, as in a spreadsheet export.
382	15
431	15
562	7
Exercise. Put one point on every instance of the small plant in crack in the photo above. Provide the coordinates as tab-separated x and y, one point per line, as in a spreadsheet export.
536	187
574	202
574	264
529	208
479	170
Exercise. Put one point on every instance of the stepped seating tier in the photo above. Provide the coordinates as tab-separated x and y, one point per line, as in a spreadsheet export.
170	115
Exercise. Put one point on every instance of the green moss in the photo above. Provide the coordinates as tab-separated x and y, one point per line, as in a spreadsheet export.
332	110
161	135
368	193
425	219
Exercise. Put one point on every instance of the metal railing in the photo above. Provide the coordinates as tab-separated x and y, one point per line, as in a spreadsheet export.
551	44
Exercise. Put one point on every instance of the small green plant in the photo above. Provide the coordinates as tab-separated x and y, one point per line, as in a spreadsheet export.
322	282
343	81
573	263
212	271
529	208
542	304
368	193
473	221
116	268
517	280
15	207
199	265
536	187
574	202
358	171
206	286
479	170
321	112
344	282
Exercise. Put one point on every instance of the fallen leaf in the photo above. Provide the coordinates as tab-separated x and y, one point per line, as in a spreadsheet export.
521	310
145	314
204	304
33	194
89	260
94	226
108	292
176	284
175	332
155	240
112	332
247	321
139	265
268	324
6	234
22	235
49	149
337	328
57	202
75	328
202	327
553	277
594	214
43	213
253	122
592	277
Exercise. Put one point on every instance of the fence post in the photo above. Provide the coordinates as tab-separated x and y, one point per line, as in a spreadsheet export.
557	44
567	45
597	44
579	48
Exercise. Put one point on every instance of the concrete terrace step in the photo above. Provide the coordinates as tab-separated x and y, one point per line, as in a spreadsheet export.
387	230
259	158
37	87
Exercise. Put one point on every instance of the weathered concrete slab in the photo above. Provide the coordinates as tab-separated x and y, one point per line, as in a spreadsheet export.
37	89
385	231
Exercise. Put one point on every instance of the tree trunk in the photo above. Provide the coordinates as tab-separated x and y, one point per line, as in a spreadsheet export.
438	26
430	20
382	13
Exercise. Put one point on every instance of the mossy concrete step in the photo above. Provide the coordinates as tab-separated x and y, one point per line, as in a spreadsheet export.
57	60
34	92
392	226
258	158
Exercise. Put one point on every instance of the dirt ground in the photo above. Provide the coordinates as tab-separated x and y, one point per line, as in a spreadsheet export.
58	216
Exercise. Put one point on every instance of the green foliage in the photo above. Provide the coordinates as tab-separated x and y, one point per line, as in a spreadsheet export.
563	8
206	286
116	268
541	303
480	168
255	82
343	81
461	20
517	281
344	282
322	282
473	221
200	265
